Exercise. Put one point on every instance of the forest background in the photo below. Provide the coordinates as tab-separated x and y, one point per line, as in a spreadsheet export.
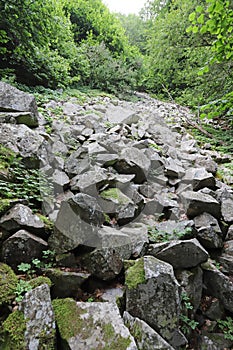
174	49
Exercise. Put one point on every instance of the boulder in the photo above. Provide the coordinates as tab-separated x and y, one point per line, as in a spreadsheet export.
152	295
229	235
199	178
146	337
70	231
196	203
106	262
14	100
191	251
218	285
87	208
21	217
90	181
39	317
133	161
121	115
22	247
26	118
21	140
87	326
208	231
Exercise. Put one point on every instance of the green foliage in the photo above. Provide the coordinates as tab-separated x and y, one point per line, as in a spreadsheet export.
187	322
215	18
8	283
22	288
135	274
21	182
100	70
157	236
227	327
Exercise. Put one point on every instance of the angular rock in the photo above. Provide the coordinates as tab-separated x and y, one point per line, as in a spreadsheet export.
90	181
152	295
199	178
196	203
93	326
65	283
60	179
87	208
26	118
21	216
191	251
208	231
121	115
22	247
191	282
173	168
70	231
14	100
77	163
40	321
138	235
218	285
146	337
107	262
133	161
21	139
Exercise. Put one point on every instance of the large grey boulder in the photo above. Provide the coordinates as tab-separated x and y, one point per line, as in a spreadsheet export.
146	337
152	294
90	181
22	247
133	161
121	115
218	285
21	217
208	231
21	140
14	100
199	178
87	326
196	203
71	230
106	262
87	208
191	251
40	321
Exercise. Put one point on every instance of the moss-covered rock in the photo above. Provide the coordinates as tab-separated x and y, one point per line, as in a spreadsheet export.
8	283
12	333
38	281
135	274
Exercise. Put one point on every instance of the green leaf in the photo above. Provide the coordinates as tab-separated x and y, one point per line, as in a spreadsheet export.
201	19
195	29
192	16
199	9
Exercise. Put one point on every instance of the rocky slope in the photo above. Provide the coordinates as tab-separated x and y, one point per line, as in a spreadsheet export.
115	232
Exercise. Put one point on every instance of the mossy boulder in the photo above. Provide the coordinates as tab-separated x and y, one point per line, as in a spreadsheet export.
8	283
87	326
12	333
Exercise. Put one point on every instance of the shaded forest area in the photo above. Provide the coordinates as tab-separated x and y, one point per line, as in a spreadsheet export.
176	50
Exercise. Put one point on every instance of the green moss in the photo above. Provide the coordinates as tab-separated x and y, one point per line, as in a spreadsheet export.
67	316
49	224
13	329
135	275
115	195
38	281
8	283
5	205
113	340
